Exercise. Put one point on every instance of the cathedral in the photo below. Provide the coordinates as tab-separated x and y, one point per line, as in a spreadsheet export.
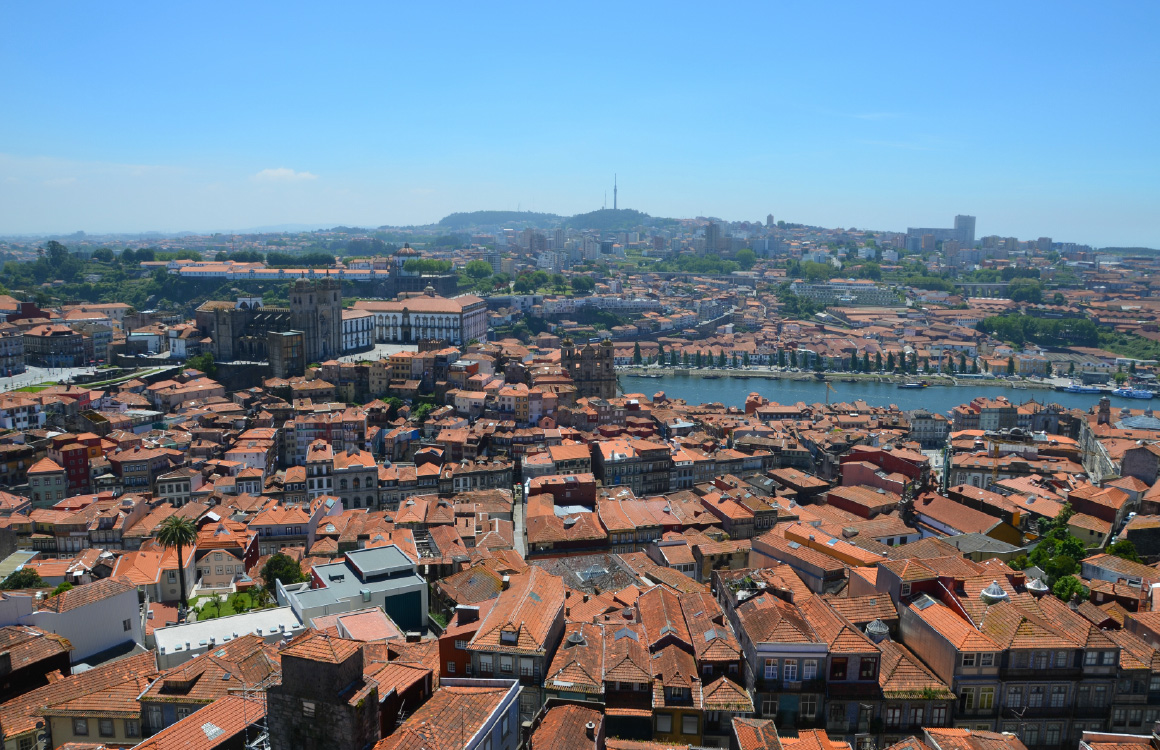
591	368
309	330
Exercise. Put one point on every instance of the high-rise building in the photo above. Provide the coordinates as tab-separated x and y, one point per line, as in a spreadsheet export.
712	236
965	230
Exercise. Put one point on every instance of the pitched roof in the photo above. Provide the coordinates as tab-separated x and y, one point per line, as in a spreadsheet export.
522	617
756	734
578	664
243	662
564	728
110	689
315	645
211	726
90	593
447	721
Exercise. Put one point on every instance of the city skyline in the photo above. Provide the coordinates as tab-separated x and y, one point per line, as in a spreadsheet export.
170	121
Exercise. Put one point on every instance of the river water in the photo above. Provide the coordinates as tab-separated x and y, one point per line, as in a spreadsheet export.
732	392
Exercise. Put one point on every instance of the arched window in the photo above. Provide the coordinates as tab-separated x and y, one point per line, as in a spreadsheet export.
342	484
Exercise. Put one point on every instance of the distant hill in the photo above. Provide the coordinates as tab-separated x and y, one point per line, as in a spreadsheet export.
464	220
607	219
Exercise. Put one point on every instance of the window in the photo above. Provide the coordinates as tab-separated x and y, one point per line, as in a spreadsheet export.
1091	658
1119	715
450	667
1062	660
485	662
968	660
771	669
808	706
81	727
25	743
525	667
838	669
1039	660
155	717
986	698
1109	658
173	576
769	708
1015	696
938	716
1031	735
906	589
1058	696
505	664
182	712
126	625
461	645
837	712
869	669
1035	696
789	672
916	716
968	698
1135	717
105	727
1020	660
689	724
809	669
505	725
986	660
1051	736
893	717
664	723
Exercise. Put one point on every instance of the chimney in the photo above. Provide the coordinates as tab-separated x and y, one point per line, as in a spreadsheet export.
590	730
466	614
507	582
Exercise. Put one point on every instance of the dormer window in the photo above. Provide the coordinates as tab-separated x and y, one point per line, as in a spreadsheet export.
508	636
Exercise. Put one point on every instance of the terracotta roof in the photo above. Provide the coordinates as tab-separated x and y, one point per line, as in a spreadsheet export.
522	617
966	739
107	690
211	726
756	734
27	645
563	728
950	626
244	662
447	721
90	593
578	664
726	695
902	675
316	646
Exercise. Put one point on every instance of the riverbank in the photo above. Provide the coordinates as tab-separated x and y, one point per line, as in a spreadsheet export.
932	380
803	387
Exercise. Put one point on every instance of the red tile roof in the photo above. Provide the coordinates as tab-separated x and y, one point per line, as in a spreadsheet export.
447	721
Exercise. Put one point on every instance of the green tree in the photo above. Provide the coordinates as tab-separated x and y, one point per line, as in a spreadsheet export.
745	258
877	360
636	359
721	359
781	357
890	361
583	284
1071	368
1057	299
103	254
793	357
1048	370
853	361
422	411
178	532
684	359
61	587
478	269
1125	549
745	359
25	578
1011	365
1068	588
282	567
426	266
865	361
1121	378
962	362
203	362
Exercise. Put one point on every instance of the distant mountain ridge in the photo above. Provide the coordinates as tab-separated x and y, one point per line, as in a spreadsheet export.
603	219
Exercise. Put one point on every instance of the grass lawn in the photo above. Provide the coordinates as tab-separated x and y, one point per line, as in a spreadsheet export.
35	388
207	609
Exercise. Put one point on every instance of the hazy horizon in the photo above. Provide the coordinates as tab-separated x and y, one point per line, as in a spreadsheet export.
1036	119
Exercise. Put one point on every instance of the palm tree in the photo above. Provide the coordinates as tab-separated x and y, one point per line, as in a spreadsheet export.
180	533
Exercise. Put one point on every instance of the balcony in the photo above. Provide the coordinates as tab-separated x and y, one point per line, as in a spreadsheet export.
1089	712
1017	674
853	690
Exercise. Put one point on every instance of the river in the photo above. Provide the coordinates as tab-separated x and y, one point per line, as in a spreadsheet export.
732	392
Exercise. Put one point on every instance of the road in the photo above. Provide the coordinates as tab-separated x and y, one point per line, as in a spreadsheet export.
38	375
518	530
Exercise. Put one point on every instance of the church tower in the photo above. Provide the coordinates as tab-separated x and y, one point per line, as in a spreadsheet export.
316	310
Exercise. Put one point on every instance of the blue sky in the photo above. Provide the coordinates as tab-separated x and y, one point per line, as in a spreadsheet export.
1039	118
